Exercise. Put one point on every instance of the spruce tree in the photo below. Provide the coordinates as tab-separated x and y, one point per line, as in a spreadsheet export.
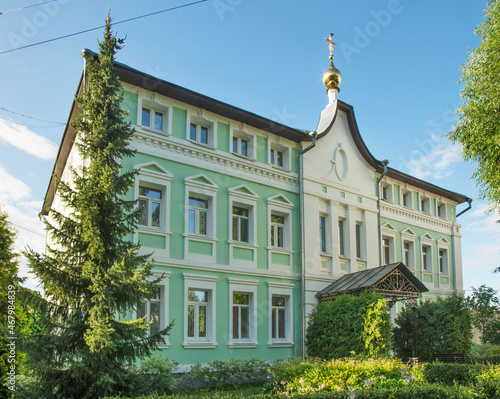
92	270
10	306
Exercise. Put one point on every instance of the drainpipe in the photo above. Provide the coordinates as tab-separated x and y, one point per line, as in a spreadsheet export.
469	201
302	241
385	162
454	260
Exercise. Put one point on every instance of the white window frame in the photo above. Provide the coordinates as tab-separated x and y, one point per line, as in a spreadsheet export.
154	106
286	290
159	179
386	192
243	197
425	204
409	197
360	245
203	283
444	245
389	233
200	186
164	285
441	210
342	238
199	121
324	249
279	205
426	241
408	236
241	134
244	287
286	156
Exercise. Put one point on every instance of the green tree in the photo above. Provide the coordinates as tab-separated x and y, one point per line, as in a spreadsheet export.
485	306
349	323
10	305
478	127
92	270
444	326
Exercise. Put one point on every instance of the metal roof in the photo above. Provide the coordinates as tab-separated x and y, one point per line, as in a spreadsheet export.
369	278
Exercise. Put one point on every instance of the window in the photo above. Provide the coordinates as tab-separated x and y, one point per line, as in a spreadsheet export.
152	119
322	233
198	133
386	251
443	261
241	223
425	205
441	210
277	157
279	317
358	241
387	192
151	311
241	315
277	231
406	256
407	199
154	310
240	146
150	200
341	238
426	258
280	314
198	212
199	311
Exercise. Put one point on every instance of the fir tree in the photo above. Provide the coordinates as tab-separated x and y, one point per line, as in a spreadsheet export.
9	304
91	270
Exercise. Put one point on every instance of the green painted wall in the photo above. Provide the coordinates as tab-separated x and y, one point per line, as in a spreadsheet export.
295	160
179	122
418	258
397	197
222	136
129	104
261	149
225	182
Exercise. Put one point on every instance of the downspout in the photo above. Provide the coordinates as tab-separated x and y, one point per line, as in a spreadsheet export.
302	242
385	162
469	202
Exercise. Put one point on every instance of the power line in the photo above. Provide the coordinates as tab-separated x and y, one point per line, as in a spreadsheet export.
30	117
24	8
24	228
33	126
102	26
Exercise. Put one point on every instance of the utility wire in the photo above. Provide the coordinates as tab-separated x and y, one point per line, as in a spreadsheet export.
30	117
102	26
33	126
24	8
24	228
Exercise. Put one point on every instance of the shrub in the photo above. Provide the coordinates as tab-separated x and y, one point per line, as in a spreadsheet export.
448	374
444	326
339	375
349	323
155	375
488	383
485	353
227	372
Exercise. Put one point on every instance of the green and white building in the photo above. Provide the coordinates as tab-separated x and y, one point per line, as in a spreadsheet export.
249	219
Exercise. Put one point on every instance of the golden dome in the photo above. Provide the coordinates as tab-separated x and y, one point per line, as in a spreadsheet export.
332	77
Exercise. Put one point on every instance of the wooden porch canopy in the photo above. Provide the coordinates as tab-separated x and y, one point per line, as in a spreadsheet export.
394	281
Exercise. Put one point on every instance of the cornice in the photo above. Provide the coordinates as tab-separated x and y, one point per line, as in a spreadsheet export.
405	215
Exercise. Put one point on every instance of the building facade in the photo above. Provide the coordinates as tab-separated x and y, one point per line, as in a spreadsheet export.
246	225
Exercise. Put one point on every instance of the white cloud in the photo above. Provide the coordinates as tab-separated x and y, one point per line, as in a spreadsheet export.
23	215
434	158
24	139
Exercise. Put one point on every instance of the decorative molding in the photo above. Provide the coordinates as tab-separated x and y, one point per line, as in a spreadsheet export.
212	157
414	217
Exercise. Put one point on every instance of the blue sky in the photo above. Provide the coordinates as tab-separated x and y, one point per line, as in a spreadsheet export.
399	59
